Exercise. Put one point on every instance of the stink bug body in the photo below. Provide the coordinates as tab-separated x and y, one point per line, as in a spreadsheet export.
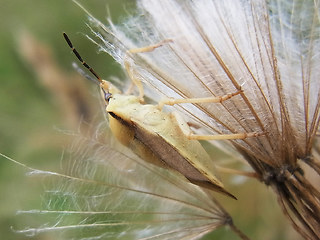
163	139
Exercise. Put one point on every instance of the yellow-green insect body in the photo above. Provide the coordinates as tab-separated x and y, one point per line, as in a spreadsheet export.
160	138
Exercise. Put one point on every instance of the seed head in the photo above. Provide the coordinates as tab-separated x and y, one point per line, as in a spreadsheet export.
267	49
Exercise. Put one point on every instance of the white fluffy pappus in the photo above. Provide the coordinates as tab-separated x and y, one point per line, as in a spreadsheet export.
270	50
109	193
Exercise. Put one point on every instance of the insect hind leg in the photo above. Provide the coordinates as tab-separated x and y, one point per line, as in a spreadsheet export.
187	131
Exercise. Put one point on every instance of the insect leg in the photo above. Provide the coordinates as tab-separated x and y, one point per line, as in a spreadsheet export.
225	136
219	99
191	136
187	131
149	48
137	82
131	72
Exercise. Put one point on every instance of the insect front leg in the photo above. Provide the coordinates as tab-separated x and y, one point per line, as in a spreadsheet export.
131	71
135	81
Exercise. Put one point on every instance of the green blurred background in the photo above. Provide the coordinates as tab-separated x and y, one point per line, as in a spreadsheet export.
30	113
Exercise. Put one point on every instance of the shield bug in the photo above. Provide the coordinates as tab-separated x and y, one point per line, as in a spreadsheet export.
161	138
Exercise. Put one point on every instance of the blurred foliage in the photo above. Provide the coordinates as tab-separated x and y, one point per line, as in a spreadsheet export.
31	114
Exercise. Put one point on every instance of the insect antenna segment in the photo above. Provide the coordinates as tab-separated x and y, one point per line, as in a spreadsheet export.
103	85
80	58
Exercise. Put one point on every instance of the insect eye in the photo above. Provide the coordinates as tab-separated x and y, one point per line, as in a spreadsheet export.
107	95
